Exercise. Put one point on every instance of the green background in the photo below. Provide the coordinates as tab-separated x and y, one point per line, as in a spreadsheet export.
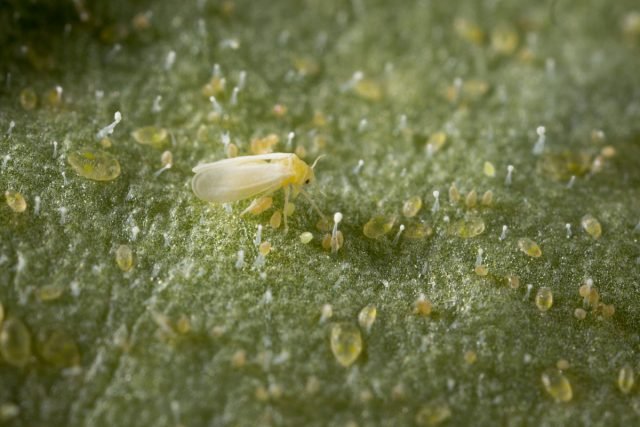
581	76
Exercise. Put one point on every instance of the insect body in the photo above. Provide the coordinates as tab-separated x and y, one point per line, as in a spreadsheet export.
240	178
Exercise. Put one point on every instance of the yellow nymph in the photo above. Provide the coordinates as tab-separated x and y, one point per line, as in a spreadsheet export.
244	177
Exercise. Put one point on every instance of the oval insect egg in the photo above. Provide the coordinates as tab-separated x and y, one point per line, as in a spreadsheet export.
489	170
544	299
592	226
589	294
28	99
454	194
94	164
472	199
481	270
579	313
239	359
398	392
15	201
264	248
312	385
301	151
49	293
326	312
289	209
59	349
367	316
15	342
276	219
262	394
306	237
422	306
557	385
183	325
513	281
306	66
203	134
326	242
585	289
124	258
471	226
329	242
593	299
626	379
215	86
368	89
433	413
468	30
378	226
323	224
279	110
436	141
166	159
487	198
264	145
150	135
346	343
231	150
607	310
470	357
475	88
53	97
412	206
631	24
141	21
504	40
608	152
529	247
417	231
9	411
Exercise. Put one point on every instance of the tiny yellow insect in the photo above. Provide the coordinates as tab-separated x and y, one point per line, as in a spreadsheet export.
243	177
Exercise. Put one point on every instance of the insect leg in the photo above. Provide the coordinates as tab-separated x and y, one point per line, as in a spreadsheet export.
313	204
258	205
284	210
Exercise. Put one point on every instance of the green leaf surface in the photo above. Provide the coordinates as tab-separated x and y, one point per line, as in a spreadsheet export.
186	338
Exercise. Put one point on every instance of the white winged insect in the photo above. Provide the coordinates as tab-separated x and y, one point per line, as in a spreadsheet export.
243	177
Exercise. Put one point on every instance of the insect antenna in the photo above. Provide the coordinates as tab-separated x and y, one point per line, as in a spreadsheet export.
316	160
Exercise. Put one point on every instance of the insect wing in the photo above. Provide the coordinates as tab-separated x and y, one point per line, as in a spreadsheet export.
237	161
231	180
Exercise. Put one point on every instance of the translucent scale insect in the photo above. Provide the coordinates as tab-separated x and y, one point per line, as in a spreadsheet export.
244	177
